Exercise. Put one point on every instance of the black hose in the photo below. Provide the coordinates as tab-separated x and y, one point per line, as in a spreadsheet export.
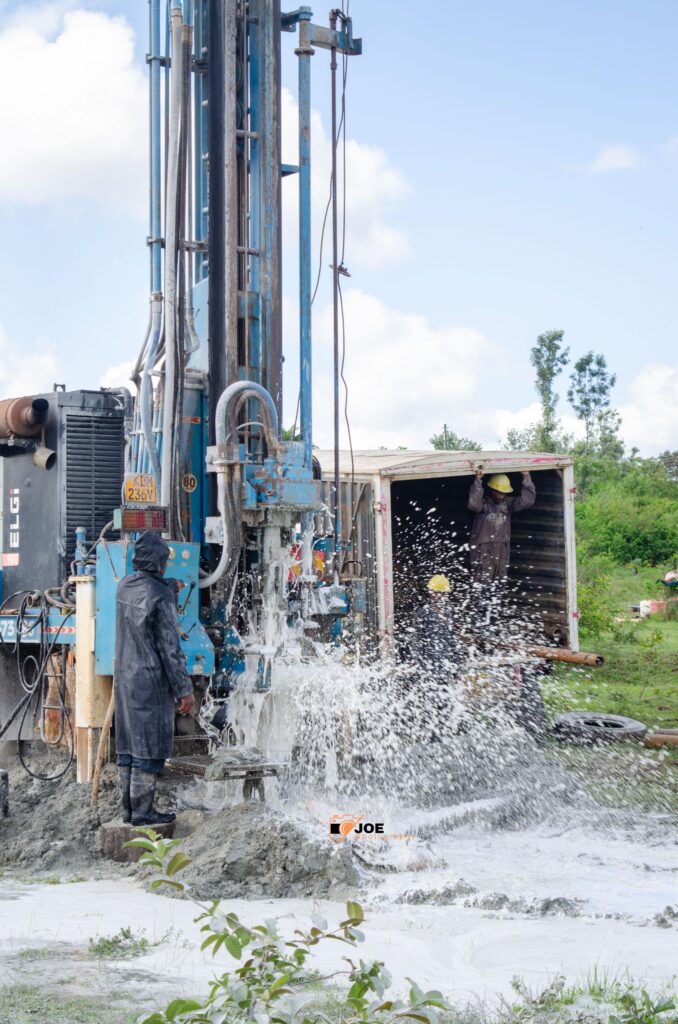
37	689
17	710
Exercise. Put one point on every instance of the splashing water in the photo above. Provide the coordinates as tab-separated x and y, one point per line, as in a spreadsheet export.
445	750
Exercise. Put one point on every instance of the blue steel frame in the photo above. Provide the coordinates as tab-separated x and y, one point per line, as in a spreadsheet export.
259	302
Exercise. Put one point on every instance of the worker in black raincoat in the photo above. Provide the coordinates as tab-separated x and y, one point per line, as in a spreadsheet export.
436	655
434	645
150	679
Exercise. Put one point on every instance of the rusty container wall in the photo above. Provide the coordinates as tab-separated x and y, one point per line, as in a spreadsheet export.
539	556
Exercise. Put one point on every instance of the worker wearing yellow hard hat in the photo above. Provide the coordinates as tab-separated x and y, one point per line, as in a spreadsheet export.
493	507
433	642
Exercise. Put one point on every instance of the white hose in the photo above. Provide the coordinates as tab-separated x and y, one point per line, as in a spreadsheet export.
234	394
220	568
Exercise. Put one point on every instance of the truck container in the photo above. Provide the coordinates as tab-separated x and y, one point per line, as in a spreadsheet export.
404	517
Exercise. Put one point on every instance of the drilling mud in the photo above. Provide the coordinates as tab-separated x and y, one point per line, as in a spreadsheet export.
482	817
245	850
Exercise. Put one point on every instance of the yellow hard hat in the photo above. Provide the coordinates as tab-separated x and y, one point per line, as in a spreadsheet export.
439	584
500	482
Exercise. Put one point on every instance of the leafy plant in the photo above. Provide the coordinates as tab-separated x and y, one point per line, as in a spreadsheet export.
122	946
596	612
639	1007
273	982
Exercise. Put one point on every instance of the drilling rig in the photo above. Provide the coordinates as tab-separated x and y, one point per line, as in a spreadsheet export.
194	450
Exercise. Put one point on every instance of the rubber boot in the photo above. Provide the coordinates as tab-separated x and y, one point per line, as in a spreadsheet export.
142	793
124	779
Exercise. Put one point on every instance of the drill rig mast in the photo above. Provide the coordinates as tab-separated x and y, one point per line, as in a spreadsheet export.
204	461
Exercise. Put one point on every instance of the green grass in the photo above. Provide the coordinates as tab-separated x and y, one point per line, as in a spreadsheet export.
622	774
636	681
639	680
20	1004
640	675
599	999
32	953
124	945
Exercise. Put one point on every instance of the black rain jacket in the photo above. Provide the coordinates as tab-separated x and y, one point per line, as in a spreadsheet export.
434	644
150	667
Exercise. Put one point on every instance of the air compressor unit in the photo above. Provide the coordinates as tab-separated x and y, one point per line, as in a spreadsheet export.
69	475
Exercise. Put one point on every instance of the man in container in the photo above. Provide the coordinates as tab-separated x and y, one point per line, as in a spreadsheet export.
490	540
151	681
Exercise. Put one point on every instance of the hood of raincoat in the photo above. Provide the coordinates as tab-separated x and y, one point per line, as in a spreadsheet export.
151	553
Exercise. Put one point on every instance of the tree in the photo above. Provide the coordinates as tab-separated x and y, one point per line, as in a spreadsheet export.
669	461
589	393
288	434
548	357
534	439
608	442
448	441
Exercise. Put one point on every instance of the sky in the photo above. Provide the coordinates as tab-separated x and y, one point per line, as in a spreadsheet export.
511	169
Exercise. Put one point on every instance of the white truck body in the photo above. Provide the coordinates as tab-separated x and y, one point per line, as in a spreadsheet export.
381	490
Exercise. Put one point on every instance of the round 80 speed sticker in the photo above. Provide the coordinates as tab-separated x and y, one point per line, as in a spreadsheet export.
189	482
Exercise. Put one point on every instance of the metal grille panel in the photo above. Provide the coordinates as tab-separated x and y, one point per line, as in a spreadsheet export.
95	460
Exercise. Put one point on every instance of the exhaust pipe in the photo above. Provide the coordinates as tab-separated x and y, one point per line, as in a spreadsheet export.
44	458
22	417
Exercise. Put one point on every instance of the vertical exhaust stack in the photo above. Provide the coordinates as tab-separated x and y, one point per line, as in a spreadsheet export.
23	417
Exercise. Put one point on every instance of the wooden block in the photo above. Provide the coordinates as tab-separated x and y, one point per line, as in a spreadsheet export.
87	744
115	834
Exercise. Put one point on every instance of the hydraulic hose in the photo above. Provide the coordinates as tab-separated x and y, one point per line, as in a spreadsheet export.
146	397
227	407
225	557
134	375
242	390
171	254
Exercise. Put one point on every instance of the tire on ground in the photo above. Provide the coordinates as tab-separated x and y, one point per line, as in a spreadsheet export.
591	725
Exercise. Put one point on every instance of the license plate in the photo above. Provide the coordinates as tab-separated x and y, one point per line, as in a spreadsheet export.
140	489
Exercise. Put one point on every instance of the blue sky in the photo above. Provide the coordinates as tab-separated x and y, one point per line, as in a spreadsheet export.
520	162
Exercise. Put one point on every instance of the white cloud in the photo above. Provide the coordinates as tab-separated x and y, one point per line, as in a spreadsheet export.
503	420
375	190
25	371
45	18
73	121
650	417
614	158
406	377
117	376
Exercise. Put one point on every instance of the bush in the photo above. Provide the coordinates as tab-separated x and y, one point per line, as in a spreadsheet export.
272	981
629	527
596	614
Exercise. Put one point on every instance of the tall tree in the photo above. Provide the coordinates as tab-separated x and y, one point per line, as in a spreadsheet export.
448	441
548	357
589	393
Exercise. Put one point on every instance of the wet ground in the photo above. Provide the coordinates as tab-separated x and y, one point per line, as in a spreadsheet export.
497	862
468	953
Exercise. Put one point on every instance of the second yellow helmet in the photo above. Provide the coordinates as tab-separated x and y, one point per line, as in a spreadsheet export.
439	584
